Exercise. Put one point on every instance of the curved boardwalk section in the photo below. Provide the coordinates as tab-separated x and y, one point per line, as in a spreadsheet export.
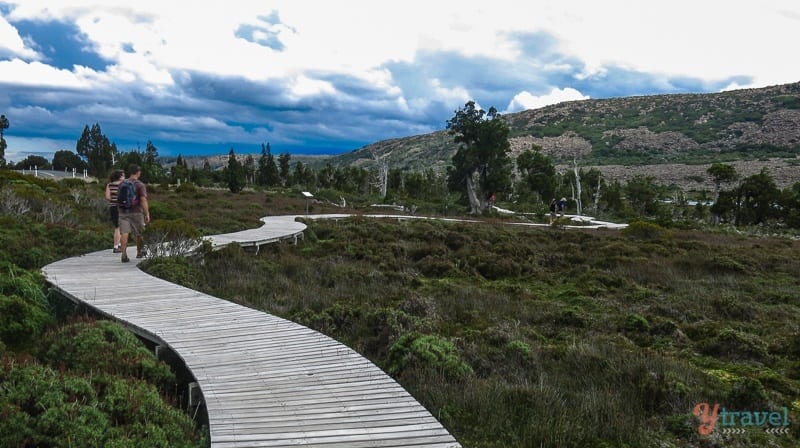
266	381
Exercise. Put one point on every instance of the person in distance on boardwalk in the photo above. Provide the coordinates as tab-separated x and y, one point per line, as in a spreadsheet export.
562	207
134	212
553	205
117	176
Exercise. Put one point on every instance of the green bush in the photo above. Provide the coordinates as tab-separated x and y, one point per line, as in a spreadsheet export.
42	407
636	323
85	347
186	188
24	310
519	350
416	351
643	230
162	211
175	269
736	345
747	393
172	229
21	319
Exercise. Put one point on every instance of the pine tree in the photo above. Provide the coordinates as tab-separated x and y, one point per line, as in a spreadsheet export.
98	151
234	173
268	174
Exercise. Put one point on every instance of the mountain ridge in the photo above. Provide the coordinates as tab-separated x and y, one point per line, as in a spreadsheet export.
672	137
753	127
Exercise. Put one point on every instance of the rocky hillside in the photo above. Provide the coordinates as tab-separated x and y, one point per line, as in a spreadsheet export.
752	125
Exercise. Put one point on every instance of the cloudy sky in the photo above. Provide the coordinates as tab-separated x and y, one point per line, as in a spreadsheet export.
329	76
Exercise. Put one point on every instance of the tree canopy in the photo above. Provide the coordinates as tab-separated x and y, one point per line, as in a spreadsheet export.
537	173
33	161
97	150
66	160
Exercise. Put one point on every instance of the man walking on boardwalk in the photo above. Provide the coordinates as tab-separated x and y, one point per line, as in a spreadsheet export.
134	212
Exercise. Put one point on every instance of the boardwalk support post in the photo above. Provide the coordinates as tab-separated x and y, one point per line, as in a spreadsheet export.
195	394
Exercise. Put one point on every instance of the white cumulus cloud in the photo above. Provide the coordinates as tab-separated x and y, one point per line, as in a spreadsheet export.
526	100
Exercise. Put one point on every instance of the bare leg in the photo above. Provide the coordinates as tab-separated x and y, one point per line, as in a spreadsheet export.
117	237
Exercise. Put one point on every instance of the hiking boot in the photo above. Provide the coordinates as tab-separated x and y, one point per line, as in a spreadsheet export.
116	250
125	259
140	247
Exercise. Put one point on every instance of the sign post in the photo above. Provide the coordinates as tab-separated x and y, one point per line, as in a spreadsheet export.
308	197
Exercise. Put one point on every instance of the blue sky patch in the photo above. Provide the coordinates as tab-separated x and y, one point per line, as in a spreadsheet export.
263	33
62	44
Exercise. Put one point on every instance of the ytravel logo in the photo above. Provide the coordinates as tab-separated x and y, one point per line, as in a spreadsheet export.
736	422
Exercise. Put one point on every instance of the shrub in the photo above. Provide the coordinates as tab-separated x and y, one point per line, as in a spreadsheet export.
12	204
24	311
519	350
85	347
170	238
42	407
186	187
643	230
416	351
21	319
161	211
636	323
747	393
175	269
435	267
736	345
572	316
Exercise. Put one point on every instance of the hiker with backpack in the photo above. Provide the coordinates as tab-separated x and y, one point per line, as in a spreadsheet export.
117	176
562	207
134	212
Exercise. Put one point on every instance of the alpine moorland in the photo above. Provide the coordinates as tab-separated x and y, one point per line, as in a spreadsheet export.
523	336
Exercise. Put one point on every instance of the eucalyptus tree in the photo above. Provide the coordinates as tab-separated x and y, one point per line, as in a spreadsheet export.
537	173
481	165
757	199
721	173
64	159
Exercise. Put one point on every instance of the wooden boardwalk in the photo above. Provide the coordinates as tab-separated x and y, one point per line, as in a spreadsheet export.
265	381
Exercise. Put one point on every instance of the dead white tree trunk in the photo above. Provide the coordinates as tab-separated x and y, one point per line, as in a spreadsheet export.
597	195
383	171
577	187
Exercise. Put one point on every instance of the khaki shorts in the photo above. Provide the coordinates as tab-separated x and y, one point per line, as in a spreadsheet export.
131	223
